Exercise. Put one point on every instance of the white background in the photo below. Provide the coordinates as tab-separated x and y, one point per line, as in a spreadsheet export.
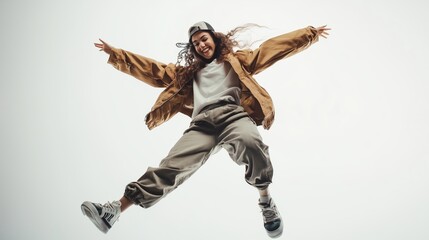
350	144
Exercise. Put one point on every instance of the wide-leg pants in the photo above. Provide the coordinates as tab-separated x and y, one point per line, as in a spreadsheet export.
227	126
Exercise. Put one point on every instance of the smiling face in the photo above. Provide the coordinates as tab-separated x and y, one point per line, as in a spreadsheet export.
204	44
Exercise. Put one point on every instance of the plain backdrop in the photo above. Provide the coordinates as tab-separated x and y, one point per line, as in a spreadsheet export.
350	144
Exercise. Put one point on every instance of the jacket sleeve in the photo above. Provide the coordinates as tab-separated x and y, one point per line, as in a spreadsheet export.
145	69
277	48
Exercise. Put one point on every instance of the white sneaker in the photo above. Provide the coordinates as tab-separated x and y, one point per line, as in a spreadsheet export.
273	223
103	216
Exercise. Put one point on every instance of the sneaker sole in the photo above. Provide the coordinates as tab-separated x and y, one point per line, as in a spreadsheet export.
91	212
276	233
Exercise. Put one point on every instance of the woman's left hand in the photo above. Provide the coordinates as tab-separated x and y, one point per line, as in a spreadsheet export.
323	31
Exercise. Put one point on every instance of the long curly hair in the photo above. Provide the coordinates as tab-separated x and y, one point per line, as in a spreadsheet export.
193	62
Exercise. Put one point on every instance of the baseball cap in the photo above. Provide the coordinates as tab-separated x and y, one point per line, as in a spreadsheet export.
199	26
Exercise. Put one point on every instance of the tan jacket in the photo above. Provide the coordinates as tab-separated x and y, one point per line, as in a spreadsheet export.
254	98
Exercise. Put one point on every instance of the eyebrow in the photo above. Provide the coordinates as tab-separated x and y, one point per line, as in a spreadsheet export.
203	35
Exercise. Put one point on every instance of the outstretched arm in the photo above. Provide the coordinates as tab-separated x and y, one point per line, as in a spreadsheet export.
152	72
280	47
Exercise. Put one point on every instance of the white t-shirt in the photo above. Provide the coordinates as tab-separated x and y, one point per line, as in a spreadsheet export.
214	83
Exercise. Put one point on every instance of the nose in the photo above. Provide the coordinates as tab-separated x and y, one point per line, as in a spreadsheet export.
201	45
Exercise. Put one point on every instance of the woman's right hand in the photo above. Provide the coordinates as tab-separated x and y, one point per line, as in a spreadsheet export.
103	46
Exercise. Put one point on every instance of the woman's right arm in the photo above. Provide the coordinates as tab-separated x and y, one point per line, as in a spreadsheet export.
145	69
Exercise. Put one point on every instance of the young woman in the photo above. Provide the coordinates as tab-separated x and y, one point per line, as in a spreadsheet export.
216	88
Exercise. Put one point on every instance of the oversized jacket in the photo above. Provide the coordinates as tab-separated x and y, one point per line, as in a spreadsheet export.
179	97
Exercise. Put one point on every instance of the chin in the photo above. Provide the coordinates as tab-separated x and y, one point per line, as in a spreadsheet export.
206	59
206	56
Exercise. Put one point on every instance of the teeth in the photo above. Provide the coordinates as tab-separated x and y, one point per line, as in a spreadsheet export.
206	51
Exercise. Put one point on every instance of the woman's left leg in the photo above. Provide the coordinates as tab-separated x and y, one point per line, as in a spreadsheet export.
242	141
244	144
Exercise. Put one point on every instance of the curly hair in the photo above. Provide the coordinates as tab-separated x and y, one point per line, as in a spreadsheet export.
194	62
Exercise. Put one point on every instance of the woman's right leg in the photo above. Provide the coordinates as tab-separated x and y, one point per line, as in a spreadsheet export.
187	155
125	203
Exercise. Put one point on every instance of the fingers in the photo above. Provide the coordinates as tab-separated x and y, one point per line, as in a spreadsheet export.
322	31
100	46
323	34
323	27
103	45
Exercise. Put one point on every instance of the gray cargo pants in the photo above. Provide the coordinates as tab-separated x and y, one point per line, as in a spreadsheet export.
227	126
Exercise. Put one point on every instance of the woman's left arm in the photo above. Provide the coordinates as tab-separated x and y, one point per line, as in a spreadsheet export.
280	47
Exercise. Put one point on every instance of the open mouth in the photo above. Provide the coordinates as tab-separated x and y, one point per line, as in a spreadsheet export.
206	52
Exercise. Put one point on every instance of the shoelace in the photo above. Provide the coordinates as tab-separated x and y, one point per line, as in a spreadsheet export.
269	212
108	207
